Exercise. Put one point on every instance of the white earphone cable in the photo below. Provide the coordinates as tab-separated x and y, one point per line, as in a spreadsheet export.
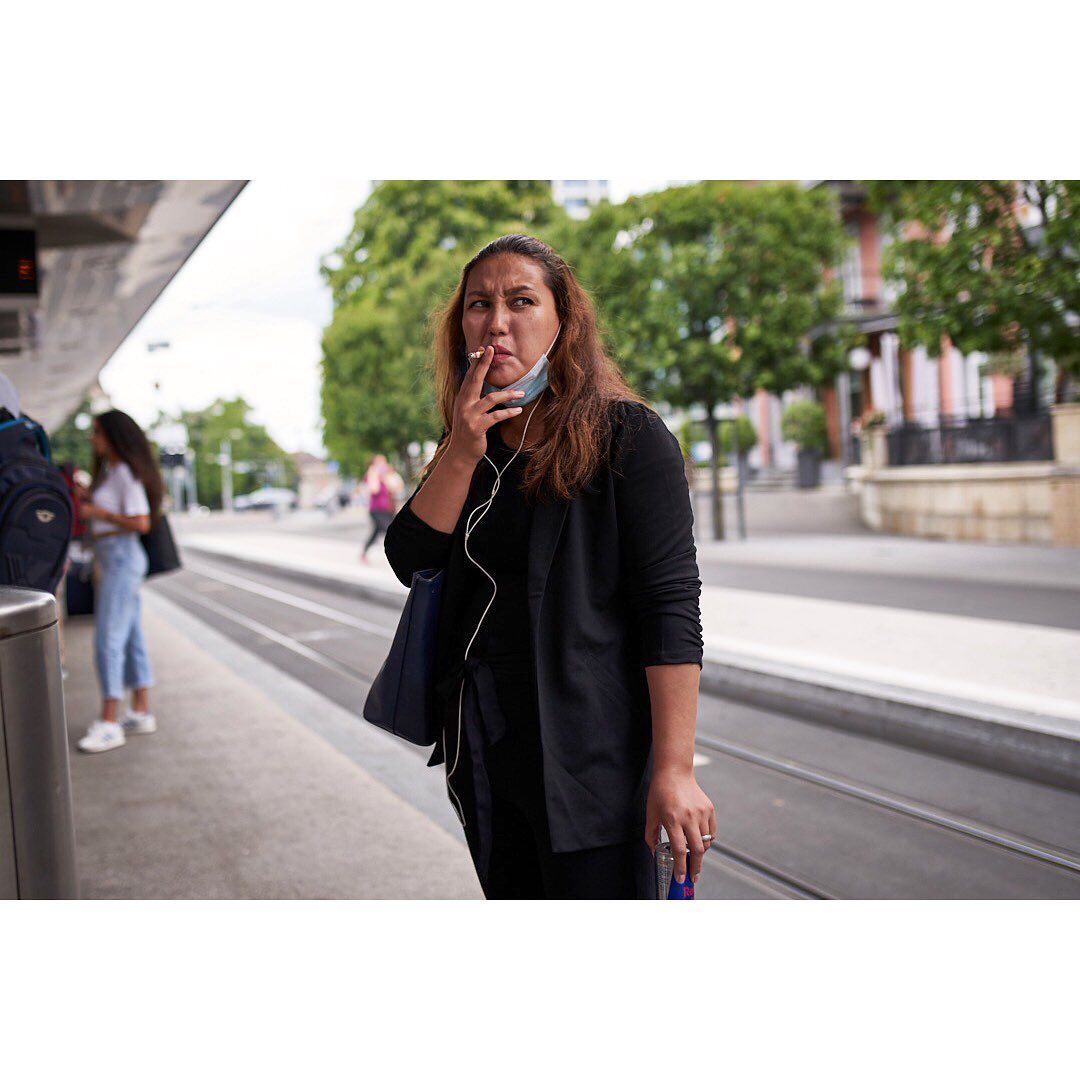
470	525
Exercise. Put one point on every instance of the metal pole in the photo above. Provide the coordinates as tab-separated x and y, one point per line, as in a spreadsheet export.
226	475
843	402
737	458
189	475
177	488
741	504
717	500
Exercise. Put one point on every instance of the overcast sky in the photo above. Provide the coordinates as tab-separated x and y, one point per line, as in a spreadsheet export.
245	315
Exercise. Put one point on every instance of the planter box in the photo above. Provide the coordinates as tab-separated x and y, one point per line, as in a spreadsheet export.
809	475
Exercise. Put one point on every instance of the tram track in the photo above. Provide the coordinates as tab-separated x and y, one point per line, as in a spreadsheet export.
754	869
887	800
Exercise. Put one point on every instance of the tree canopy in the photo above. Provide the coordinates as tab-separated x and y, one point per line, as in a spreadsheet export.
258	460
71	443
711	291
992	264
400	261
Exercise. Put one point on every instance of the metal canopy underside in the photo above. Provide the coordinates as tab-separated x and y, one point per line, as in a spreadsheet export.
106	251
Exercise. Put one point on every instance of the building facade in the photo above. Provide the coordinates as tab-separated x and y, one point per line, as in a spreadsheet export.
906	386
319	482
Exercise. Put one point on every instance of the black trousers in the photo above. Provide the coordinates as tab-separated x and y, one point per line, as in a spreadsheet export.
380	522
522	864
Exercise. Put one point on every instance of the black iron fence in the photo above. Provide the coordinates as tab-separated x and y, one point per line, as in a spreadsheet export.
1025	437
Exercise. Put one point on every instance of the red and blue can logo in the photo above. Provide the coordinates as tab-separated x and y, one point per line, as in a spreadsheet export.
680	890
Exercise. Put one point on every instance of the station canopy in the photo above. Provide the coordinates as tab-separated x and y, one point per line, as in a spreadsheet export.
81	262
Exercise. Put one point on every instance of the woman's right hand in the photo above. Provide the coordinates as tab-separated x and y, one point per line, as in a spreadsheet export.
468	439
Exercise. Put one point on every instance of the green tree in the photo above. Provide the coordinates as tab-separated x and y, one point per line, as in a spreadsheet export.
745	436
401	259
258	459
69	442
805	425
711	291
992	264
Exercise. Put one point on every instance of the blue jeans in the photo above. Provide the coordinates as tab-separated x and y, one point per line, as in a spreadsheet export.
119	648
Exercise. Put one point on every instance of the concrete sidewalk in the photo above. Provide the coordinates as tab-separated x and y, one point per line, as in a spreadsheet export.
235	797
903	556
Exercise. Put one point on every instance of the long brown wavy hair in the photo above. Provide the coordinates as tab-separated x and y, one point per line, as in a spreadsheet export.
583	381
133	448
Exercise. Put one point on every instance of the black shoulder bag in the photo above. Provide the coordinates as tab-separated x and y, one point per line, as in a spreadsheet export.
161	551
402	699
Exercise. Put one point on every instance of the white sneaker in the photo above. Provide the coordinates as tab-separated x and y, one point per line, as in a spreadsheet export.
138	723
101	736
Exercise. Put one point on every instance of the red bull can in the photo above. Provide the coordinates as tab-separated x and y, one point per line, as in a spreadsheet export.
667	888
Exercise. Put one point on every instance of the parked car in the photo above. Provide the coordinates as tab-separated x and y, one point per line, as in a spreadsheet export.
266	499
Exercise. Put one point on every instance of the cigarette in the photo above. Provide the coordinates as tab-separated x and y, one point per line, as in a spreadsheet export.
476	355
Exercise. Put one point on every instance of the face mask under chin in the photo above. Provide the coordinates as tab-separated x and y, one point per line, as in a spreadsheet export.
534	382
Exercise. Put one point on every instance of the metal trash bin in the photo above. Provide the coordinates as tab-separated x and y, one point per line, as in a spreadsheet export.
37	827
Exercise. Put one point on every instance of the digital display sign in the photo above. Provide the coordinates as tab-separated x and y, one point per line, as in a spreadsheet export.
18	262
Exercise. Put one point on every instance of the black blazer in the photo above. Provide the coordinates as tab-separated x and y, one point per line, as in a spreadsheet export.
613	588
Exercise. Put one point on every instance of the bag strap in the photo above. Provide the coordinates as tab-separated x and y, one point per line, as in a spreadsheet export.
37	430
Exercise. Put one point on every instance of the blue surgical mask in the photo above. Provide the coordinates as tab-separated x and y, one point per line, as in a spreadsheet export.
534	382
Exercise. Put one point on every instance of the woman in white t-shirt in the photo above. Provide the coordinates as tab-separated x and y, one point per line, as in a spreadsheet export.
122	503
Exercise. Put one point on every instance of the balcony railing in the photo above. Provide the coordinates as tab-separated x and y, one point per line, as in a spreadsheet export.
1025	437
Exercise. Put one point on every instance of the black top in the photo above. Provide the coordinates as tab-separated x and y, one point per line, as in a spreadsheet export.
499	542
612	587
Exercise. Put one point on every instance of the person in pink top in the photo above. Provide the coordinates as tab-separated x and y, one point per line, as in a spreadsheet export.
382	485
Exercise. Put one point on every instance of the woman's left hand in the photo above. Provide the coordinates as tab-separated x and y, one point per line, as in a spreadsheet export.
686	813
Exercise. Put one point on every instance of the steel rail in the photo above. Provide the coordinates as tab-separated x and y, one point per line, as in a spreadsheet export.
923	812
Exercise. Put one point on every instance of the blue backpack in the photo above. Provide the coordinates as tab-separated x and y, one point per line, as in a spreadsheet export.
35	508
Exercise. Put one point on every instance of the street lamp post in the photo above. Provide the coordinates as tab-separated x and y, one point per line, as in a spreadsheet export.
843	401
717	416
176	476
225	461
189	467
717	502
737	455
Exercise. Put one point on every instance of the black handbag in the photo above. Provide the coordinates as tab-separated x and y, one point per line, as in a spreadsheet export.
402	699
161	551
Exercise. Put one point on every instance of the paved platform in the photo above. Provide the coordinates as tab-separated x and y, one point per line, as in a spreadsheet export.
246	793
1031	565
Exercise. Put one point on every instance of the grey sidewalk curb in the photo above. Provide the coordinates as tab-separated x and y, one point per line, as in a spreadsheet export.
1029	745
